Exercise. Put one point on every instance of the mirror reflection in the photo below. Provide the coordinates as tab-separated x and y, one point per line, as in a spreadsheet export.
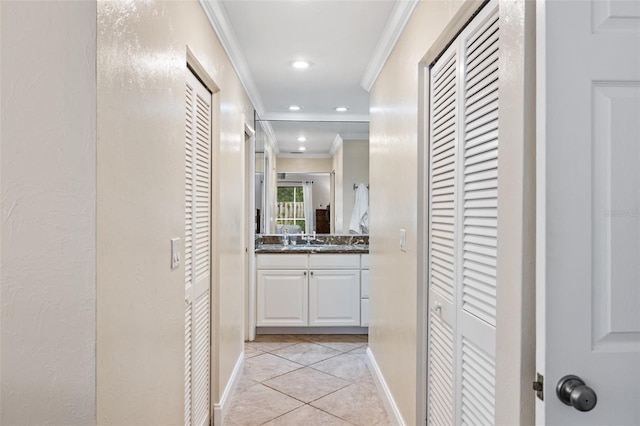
312	177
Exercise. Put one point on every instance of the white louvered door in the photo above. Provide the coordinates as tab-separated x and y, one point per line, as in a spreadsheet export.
197	257
463	196
442	168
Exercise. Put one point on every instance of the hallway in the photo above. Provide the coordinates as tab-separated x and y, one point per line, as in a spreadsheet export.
306	379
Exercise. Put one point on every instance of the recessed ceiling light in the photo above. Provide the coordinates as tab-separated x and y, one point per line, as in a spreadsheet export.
300	64
342	108
302	139
302	148
294	108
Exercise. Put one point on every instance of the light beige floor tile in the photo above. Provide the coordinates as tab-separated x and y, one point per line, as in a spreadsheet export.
251	350
272	342
244	383
306	353
266	366
362	350
386	422
259	404
358	404
307	416
341	342
349	367
306	384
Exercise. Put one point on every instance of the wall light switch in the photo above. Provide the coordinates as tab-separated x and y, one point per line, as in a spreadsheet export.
403	240
175	253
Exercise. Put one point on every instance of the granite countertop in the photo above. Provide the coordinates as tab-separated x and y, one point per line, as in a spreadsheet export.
323	243
313	248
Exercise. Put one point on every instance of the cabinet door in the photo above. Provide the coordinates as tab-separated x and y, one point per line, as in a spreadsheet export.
282	298
334	298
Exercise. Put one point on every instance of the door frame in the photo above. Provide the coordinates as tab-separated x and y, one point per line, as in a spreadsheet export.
249	231
515	331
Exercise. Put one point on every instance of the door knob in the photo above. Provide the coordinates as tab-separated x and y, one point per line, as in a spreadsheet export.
572	391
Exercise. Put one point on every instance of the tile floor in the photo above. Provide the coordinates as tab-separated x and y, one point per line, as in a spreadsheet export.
309	380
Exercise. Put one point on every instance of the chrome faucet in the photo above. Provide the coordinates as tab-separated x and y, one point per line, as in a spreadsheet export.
308	237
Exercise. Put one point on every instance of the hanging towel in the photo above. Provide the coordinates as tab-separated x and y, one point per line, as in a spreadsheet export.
359	223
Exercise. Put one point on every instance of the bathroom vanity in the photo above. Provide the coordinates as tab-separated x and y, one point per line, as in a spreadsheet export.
312	288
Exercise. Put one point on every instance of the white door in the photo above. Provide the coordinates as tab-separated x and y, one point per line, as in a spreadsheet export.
334	298
588	228
197	259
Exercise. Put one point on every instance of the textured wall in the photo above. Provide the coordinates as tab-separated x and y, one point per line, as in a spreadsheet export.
141	167
393	204
47	213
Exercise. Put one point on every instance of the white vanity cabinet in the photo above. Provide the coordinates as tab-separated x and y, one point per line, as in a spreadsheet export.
334	290
364	291
308	290
282	290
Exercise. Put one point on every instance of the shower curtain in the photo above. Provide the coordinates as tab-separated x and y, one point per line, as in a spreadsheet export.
309	216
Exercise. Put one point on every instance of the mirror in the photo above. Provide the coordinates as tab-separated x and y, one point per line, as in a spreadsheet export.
325	162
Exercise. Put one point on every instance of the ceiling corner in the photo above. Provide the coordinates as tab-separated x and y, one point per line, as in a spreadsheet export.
222	27
393	29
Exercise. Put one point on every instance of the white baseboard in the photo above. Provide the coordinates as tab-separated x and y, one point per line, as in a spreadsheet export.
387	399
220	409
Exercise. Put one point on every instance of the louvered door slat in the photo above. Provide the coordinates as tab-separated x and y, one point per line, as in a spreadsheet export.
442	166
188	342
481	155
478	386
441	370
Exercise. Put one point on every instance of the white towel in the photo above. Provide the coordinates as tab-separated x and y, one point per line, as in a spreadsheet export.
359	223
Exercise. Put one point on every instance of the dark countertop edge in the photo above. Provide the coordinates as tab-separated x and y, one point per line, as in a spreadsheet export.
310	251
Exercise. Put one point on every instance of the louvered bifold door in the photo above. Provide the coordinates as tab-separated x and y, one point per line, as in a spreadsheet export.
444	88
463	198
478	219
197	253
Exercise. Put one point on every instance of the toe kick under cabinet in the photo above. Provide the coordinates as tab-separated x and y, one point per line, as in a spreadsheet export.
308	290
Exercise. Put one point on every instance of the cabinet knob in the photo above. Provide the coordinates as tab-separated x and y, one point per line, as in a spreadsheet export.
305	273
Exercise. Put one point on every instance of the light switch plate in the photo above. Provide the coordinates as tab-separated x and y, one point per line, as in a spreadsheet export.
403	240
175	253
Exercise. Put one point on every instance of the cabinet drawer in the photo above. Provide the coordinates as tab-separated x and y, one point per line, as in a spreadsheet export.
364	283
334	261
365	261
282	261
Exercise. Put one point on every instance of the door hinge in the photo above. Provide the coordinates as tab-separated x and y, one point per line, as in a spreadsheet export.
538	386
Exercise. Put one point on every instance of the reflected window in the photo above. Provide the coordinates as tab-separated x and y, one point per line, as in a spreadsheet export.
290	207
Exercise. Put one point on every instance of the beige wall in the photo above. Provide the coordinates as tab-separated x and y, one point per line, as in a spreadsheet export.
47	213
141	167
393	204
356	158
304	165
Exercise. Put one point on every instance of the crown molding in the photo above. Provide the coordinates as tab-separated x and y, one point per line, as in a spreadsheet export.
336	144
222	27
286	116
271	136
399	18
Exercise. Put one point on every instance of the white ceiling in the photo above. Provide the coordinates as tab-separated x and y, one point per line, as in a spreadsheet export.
347	42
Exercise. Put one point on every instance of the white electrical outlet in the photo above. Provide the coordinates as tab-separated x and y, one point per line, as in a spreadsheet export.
403	240
175	253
